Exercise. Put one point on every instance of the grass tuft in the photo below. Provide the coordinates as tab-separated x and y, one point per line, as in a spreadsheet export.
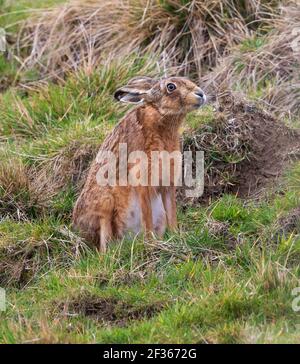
190	35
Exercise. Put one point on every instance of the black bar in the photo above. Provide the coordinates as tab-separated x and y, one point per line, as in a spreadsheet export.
136	353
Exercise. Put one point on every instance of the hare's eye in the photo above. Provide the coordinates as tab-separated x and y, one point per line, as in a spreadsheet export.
171	87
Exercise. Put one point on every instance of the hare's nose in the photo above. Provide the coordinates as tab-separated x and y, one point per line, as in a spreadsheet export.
200	93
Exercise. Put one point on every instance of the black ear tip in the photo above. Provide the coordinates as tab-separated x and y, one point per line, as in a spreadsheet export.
118	95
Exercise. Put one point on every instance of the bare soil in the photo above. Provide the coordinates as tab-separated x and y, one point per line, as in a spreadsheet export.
109	310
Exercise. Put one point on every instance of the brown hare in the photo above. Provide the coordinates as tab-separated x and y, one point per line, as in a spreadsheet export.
107	212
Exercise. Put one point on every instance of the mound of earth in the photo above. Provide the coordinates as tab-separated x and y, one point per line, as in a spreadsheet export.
245	149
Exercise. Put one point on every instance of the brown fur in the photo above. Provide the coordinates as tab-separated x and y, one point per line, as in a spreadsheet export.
102	212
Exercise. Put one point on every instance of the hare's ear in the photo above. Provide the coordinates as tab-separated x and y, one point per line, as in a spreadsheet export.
132	96
136	91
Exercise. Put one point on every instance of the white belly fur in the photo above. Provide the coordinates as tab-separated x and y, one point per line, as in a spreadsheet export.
133	220
134	215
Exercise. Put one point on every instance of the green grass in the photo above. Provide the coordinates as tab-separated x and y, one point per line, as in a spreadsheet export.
226	277
14	11
202	301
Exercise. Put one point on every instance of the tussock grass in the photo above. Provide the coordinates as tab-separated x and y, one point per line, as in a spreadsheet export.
189	35
18	197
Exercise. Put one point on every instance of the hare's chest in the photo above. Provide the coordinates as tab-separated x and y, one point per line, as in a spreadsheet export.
134	222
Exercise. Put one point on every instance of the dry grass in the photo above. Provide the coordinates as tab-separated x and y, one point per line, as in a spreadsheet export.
266	66
188	36
67	167
18	197
27	191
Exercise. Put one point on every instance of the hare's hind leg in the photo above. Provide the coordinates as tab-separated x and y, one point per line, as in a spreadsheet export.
106	216
105	232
